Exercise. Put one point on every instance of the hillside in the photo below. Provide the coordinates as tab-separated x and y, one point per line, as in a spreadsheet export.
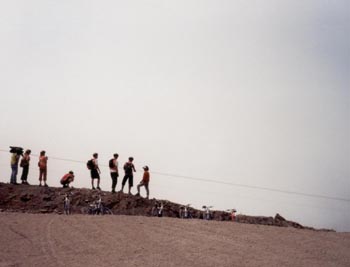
35	199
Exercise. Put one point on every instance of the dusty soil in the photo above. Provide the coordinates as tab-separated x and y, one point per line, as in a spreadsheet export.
120	240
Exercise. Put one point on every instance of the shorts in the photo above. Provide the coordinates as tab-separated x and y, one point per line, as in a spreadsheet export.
65	182
130	178
95	174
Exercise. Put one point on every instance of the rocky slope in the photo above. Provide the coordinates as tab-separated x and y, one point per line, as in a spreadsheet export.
35	199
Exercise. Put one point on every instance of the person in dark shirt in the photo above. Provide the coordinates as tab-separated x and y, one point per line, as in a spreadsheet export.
113	168
25	165
95	172
129	170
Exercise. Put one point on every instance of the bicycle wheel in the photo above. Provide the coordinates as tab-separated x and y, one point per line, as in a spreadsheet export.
107	211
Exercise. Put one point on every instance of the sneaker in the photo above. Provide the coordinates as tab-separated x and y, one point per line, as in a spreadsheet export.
93	188
98	188
137	195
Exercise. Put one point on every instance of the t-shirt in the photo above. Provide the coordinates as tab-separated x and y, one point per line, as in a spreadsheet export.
128	168
42	162
25	160
146	177
14	159
66	177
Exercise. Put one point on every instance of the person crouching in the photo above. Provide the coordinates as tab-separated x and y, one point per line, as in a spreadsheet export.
67	179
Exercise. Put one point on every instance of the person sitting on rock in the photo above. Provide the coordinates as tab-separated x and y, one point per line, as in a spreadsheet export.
67	179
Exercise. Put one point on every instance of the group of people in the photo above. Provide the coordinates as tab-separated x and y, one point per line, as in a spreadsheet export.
17	152
23	160
113	164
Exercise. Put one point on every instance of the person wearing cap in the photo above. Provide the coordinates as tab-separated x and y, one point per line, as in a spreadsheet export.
144	182
67	179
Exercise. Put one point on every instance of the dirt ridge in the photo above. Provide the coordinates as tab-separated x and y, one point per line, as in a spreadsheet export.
35	199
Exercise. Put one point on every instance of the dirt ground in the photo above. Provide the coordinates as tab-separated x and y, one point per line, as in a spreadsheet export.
120	240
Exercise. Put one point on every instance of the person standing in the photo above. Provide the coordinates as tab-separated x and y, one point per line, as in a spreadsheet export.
113	167
42	168
14	167
144	182
95	171
25	165
129	169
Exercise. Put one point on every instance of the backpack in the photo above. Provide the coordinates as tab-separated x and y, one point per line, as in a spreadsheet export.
22	163
90	164
111	163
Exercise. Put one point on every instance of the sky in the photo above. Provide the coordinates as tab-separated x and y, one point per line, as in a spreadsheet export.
242	93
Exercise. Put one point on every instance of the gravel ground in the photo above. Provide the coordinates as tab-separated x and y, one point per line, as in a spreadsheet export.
81	240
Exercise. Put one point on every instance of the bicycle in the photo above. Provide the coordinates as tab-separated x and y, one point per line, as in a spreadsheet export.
97	208
157	210
232	214
184	212
206	212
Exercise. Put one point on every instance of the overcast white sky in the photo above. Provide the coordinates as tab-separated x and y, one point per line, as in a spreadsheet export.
248	92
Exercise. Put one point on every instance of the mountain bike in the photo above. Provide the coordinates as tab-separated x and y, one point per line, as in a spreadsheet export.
206	212
185	213
232	214
157	209
97	208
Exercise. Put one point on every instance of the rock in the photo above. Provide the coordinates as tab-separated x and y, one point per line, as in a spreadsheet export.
44	211
25	197
47	198
279	218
